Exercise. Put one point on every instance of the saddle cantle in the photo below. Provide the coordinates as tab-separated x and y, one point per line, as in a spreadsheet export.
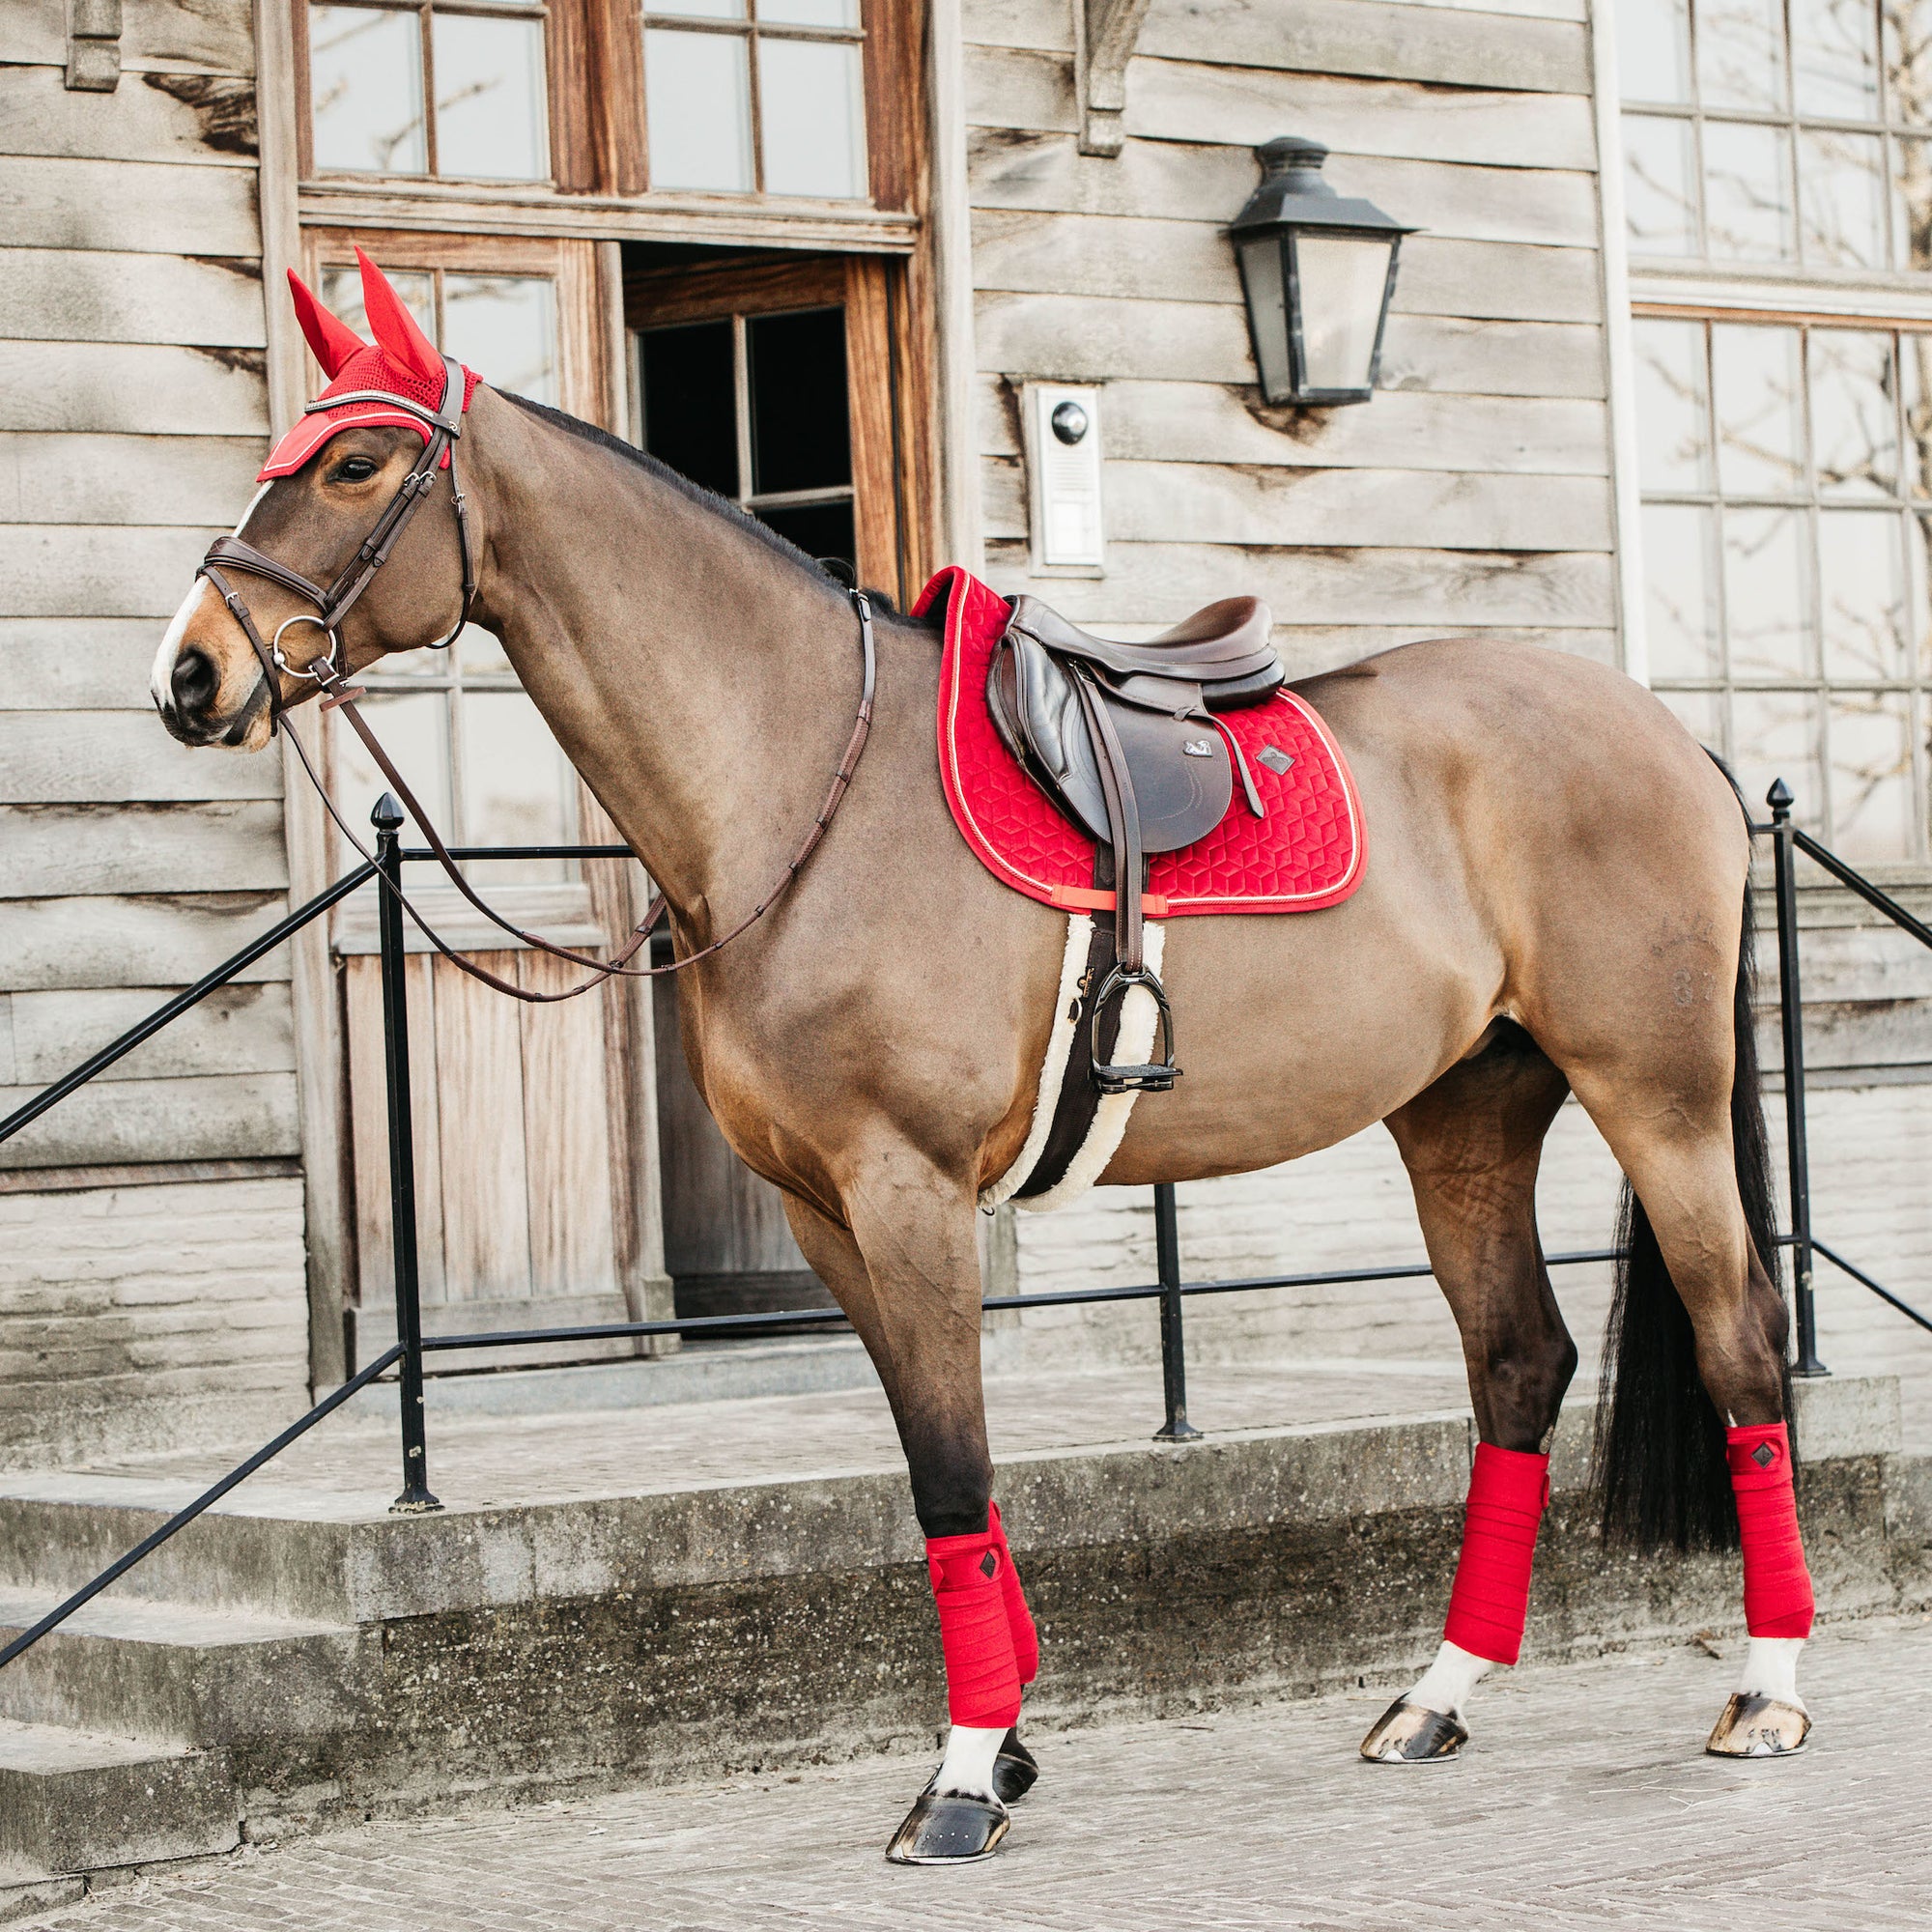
1124	739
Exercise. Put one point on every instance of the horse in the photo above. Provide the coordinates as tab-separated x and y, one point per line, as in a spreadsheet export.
1557	903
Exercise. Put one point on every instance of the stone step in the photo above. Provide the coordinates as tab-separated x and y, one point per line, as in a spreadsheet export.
26	1891
186	1675
77	1800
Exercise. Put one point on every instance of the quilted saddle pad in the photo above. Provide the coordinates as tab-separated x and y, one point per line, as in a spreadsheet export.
1307	853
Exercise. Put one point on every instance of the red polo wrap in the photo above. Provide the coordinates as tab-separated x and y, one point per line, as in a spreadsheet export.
1019	1619
1508	1488
982	1679
1777	1586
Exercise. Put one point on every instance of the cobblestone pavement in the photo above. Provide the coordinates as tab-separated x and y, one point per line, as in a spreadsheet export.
1584	1802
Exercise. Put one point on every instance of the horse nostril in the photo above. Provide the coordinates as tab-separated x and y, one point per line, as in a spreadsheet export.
194	682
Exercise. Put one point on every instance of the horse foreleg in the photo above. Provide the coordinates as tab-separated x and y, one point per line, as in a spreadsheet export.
906	1271
1471	1143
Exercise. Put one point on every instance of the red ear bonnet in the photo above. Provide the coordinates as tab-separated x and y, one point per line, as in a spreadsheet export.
333	341
402	362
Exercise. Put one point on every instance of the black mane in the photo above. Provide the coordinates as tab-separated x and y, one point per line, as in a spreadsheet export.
707	500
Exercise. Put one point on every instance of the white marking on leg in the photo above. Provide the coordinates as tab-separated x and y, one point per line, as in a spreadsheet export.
1771	1669
967	1768
1446	1684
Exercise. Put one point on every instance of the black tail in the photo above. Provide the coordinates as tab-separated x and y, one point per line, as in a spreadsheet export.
1660	1471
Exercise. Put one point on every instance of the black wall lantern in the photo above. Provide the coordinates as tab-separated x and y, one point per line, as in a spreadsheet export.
1317	272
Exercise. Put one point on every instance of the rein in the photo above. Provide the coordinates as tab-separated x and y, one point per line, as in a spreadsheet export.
326	673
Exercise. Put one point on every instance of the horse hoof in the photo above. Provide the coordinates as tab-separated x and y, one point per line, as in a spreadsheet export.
1406	1733
1758	1726
949	1830
1014	1770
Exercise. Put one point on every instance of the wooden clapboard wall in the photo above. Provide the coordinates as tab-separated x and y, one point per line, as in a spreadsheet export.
133	417
1473	493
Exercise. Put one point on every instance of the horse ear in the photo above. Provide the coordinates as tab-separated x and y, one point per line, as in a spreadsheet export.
333	341
395	326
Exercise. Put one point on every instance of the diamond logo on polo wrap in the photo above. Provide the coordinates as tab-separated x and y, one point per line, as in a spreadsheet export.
989	1565
1764	1454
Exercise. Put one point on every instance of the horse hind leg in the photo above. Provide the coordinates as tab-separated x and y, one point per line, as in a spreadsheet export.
1471	1143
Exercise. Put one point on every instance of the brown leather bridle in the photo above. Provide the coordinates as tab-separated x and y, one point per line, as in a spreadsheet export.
326	673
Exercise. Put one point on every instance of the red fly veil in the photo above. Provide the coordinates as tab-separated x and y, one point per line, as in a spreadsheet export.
401	362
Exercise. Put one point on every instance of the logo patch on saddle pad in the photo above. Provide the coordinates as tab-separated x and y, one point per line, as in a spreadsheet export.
1278	761
1764	1454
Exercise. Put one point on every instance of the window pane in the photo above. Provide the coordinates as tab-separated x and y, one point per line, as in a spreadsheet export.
1680	574
1760	410
690	403
1915	352
1673	407
800	438
342	296
808	13
1775	735
698	109
414	728
698	10
1853	428
1741	54
1908	62
812	108
515	782
1912	205
1654	50
1841	199
504	327
818	530
1835	58
1748	192
1768	594
1660	192
365	82
1700	713
1343	281
1873	798
1862	595
490	118
481	654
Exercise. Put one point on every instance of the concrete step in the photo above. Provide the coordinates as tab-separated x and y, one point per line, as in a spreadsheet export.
26	1891
187	1676
77	1800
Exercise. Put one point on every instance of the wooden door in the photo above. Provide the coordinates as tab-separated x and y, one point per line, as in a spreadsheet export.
777	382
523	1113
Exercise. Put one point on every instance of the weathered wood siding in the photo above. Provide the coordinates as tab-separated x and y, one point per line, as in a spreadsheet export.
132	417
1473	492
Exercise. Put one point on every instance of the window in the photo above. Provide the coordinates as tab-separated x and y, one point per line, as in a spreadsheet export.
456	722
1751	137
1787	483
453	91
763	97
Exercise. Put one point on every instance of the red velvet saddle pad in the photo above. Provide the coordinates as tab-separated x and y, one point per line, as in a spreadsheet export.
1307	853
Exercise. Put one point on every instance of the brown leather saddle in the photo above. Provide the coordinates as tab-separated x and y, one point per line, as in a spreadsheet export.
1124	740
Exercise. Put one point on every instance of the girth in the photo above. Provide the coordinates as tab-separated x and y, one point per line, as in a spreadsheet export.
1124	740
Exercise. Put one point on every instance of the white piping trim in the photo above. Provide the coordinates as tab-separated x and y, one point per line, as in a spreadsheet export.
1138	1018
1052	1068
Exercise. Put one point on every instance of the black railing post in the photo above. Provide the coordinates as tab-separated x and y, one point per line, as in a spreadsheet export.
1791	1019
1173	1344
416	1498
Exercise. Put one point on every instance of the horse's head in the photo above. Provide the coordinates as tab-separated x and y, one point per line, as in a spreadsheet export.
326	487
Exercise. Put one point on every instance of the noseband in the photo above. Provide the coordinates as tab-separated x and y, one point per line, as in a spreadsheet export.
326	673
333	604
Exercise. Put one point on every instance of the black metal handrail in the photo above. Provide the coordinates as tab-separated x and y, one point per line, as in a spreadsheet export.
1170	1290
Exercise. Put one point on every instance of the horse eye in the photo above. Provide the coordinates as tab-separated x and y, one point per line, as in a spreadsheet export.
355	469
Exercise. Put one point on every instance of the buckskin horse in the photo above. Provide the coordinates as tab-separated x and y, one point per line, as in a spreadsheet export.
1557	903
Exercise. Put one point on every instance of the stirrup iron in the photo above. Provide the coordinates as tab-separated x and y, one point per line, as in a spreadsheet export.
1152	1077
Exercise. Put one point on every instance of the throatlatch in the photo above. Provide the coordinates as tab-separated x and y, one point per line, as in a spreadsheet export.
1777	1584
1490	1602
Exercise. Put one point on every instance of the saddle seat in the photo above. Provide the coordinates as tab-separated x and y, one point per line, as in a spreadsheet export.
1124	740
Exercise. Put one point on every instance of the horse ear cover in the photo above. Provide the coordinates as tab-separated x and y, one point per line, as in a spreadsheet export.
990	1651
1490	1602
395	328
331	339
1777	1584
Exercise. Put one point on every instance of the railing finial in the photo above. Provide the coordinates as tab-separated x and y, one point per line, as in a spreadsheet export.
387	815
1778	798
